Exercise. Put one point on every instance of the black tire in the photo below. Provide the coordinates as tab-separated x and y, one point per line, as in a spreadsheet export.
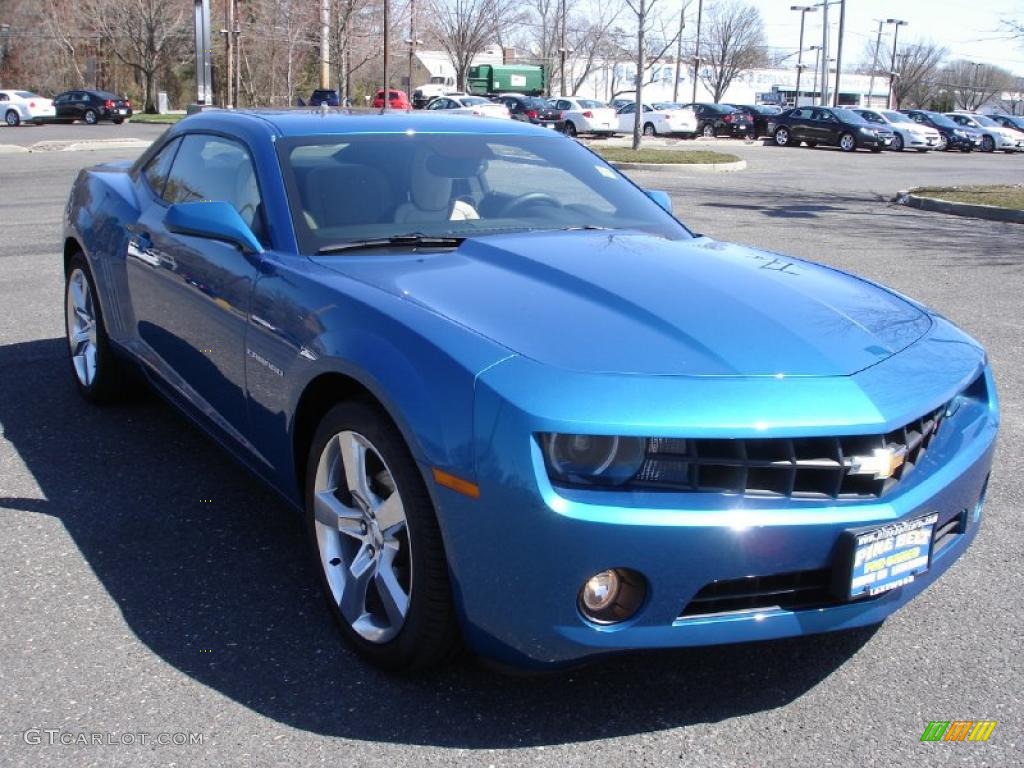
118	120
782	137
988	144
569	128
922	150
90	117
12	118
848	146
708	131
876	150
112	381
649	129
897	143
430	633
811	144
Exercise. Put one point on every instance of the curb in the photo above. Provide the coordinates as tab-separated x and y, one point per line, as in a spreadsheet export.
77	146
12	148
969	210
739	165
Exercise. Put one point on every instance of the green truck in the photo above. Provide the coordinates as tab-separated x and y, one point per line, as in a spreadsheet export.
487	79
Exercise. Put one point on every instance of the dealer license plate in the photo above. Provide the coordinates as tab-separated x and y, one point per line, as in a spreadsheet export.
890	556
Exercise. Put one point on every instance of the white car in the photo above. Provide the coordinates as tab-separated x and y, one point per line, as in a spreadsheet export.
585	116
18	107
659	119
462	104
993	135
907	134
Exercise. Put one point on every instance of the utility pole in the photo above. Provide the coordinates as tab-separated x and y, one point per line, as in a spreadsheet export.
874	65
839	50
696	49
679	50
561	51
412	43
892	66
229	25
325	44
238	55
804	10
824	53
817	57
387	33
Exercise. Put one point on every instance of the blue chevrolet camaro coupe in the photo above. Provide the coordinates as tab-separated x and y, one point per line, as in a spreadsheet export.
520	405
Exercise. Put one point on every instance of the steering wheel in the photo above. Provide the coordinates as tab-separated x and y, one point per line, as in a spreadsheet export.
530	198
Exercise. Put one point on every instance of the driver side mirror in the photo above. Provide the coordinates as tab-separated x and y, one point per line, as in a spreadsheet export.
661	198
213	219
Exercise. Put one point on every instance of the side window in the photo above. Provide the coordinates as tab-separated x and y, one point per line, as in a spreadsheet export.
629	109
563	105
214	168
157	168
4	97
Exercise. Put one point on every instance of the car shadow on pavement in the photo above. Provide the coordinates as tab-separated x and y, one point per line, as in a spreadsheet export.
208	568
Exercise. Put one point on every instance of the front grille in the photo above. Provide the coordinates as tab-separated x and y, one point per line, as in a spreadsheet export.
799	467
794	591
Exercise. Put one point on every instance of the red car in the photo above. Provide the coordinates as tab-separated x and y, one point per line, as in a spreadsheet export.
396	99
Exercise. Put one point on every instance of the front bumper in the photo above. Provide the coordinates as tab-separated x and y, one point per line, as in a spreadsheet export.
522	551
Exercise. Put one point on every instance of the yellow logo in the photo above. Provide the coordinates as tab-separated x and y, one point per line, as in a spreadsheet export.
883	463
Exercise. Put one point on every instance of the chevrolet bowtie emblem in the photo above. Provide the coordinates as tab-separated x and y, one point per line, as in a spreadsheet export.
883	463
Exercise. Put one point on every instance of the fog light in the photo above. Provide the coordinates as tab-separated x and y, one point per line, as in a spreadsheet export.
612	596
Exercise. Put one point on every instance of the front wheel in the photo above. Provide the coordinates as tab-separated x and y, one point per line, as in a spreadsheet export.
118	120
375	541
649	129
90	117
12	118
847	142
782	137
99	375
897	143
988	144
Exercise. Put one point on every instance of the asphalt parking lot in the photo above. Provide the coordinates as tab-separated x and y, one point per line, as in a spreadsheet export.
130	605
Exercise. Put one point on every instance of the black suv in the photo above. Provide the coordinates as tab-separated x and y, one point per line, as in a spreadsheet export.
91	107
720	119
835	126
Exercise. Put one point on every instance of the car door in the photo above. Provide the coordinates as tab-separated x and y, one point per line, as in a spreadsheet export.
824	127
190	295
626	118
799	120
61	106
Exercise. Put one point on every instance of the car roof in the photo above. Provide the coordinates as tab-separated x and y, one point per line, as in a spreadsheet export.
301	122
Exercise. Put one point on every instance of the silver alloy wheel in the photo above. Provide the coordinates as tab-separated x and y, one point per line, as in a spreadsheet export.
363	537
81	317
897	142
782	137
709	131
12	118
847	142
90	117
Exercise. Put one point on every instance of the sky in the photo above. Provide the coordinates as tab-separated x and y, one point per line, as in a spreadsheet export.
970	29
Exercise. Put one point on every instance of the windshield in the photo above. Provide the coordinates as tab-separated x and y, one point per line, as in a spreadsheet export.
346	188
25	95
871	117
663	106
849	116
591	104
535	103
986	121
896	117
942	120
472	101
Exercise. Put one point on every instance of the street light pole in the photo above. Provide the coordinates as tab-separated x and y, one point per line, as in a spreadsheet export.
412	41
817	57
229	24
892	65
561	51
874	65
679	50
325	44
804	10
696	49
824	53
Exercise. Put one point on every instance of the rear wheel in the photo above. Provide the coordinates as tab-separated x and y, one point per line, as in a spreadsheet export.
569	128
100	376
12	118
847	142
782	137
90	117
118	120
649	129
375	542
709	131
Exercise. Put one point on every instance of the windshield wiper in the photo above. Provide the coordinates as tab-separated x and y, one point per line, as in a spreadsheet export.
396	241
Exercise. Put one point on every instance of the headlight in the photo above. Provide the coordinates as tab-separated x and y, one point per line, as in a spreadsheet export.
592	459
868	131
961	133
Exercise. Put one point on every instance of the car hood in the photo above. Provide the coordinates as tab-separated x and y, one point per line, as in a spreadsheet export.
639	304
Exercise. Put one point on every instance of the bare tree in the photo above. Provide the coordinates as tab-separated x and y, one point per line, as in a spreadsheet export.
972	84
464	28
918	64
733	43
143	34
589	38
650	48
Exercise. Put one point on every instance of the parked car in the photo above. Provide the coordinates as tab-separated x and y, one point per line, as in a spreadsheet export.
721	119
953	135
463	104
1013	122
396	100
436	408
17	107
531	109
758	114
834	126
439	85
993	135
664	119
324	96
91	106
585	116
907	133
